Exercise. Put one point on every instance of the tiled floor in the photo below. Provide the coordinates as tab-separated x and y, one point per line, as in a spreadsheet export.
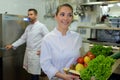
44	78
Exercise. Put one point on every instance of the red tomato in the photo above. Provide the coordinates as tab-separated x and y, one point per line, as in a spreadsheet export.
80	60
85	65
91	55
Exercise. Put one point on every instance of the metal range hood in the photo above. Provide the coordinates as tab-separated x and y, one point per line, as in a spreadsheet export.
99	2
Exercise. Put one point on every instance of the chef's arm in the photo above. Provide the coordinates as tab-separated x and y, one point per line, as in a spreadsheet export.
20	41
45	60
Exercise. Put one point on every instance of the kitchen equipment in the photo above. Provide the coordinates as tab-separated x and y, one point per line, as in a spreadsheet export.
114	21
2	49
11	28
108	36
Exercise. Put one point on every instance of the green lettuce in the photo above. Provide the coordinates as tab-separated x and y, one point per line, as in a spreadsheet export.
100	68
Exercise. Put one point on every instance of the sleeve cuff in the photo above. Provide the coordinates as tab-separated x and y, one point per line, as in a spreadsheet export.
14	47
52	73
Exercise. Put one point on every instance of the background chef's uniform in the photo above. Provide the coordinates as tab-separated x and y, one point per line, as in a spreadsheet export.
32	36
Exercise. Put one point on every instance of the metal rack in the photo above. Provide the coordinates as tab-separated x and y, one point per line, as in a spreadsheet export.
100	3
85	40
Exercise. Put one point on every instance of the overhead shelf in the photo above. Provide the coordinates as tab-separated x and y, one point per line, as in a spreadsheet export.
100	26
98	42
100	3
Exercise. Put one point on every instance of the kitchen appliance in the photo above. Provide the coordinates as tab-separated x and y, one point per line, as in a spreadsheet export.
11	28
108	36
114	22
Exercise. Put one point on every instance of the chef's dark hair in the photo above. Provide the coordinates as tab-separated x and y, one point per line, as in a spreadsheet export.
60	6
34	10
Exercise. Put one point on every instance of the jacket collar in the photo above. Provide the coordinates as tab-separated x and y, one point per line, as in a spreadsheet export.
34	23
60	34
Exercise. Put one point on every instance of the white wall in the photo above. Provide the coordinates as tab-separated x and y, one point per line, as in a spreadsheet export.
20	7
114	11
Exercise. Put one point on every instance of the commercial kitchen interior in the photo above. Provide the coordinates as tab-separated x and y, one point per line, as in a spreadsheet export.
88	14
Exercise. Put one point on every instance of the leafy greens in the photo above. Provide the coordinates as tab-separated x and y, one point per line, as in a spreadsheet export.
100	68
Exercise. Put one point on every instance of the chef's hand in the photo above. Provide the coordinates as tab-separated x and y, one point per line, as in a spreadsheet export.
65	76
38	52
71	77
8	47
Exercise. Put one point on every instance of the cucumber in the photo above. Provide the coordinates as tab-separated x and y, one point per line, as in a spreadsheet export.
115	55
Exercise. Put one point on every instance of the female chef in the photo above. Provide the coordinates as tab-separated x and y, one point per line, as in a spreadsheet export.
61	47
33	35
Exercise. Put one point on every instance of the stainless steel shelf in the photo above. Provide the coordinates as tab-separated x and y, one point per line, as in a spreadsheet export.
99	27
100	3
98	42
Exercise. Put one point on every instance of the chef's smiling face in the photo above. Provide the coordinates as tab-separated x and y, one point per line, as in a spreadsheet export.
32	16
64	17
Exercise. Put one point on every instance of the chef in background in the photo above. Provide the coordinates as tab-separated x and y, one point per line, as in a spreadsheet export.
32	36
61	47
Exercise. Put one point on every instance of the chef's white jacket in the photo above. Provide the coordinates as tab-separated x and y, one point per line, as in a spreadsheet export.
33	36
58	52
